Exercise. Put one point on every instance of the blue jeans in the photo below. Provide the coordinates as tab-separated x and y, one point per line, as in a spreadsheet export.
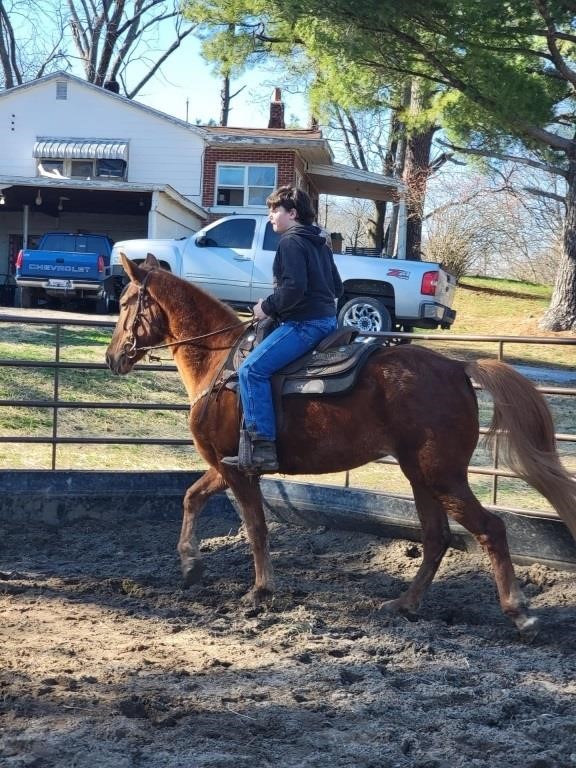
286	343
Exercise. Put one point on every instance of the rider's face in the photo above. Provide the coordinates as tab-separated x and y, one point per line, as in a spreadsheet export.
281	219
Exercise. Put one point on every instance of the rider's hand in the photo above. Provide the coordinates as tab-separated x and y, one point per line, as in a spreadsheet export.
259	313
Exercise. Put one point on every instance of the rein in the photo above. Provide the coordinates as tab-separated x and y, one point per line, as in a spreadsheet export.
130	346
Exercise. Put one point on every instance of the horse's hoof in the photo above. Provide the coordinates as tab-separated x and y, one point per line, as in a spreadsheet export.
193	573
397	608
528	627
257	597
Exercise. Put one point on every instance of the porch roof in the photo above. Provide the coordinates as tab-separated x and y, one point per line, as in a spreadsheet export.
346	181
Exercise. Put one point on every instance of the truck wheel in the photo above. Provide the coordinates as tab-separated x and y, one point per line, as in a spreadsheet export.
106	303
366	314
24	298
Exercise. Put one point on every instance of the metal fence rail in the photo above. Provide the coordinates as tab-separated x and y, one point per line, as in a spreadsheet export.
56	404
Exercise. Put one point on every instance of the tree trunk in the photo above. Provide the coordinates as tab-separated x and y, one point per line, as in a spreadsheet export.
225	100
397	157
561	314
416	173
416	177
376	225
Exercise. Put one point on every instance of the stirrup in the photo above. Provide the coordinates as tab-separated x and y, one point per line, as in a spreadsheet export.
255	457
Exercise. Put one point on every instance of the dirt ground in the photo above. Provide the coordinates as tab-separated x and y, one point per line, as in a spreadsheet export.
105	662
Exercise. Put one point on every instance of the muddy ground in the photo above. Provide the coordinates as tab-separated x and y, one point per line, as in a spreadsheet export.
107	663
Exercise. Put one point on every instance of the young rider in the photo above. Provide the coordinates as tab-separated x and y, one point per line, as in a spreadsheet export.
303	304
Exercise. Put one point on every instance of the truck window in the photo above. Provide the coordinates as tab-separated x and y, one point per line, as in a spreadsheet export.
237	233
56	241
91	244
271	238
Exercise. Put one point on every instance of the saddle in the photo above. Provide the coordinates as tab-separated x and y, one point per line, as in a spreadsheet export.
331	368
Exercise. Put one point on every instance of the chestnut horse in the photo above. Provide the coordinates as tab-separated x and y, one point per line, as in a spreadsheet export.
409	402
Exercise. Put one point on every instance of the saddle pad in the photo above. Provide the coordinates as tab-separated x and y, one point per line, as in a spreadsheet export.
336	378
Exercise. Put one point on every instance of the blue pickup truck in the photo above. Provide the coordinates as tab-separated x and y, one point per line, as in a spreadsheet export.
66	266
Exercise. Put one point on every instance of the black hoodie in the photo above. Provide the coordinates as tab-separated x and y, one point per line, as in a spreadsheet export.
306	281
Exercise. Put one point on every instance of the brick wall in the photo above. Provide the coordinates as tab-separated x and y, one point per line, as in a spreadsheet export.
287	161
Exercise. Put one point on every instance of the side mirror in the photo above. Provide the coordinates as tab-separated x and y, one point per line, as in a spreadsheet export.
201	241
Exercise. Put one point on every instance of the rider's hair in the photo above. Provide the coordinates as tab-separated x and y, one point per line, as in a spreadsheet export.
293	198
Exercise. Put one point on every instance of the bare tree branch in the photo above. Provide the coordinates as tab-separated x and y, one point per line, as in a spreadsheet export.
344	129
567	73
554	169
156	66
12	73
544	193
357	140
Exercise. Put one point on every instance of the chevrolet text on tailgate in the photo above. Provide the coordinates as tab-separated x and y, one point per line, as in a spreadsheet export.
66	266
232	258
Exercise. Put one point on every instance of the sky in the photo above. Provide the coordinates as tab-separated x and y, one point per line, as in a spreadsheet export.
188	90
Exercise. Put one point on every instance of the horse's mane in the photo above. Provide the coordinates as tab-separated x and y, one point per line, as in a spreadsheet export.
187	297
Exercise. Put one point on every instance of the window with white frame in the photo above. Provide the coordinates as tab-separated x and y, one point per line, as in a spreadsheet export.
244	185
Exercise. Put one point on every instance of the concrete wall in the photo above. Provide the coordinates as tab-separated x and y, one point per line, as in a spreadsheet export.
61	497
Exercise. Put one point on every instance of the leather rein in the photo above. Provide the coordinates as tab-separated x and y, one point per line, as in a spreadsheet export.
131	347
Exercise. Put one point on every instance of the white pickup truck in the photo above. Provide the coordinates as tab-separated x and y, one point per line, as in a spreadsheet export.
232	258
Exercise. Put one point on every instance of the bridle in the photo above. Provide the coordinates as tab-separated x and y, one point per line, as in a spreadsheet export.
131	348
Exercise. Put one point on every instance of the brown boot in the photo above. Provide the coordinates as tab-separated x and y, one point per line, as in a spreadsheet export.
255	456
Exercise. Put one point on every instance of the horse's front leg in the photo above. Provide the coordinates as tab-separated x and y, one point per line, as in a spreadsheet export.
196	496
249	496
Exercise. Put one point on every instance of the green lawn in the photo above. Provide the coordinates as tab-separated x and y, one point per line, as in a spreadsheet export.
493	307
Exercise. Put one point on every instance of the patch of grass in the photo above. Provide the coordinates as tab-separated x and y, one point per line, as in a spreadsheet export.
503	287
493	307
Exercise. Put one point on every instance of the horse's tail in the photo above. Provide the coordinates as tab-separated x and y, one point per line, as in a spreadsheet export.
523	420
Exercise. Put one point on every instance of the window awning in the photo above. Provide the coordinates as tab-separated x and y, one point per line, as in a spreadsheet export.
81	149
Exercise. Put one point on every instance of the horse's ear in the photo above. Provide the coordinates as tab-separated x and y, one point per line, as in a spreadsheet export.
134	272
152	261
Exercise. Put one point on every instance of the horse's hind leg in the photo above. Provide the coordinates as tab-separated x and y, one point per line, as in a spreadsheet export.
435	541
490	532
453	496
196	496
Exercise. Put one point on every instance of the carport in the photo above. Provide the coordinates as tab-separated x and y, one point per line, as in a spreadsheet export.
31	206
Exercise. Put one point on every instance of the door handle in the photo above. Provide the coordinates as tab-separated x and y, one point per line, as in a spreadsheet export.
242	258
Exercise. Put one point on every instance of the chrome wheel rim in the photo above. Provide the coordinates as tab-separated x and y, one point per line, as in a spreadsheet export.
365	317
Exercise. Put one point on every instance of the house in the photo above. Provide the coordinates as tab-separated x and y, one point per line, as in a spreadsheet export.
75	156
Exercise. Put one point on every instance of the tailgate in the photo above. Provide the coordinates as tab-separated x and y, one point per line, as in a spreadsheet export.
60	265
446	288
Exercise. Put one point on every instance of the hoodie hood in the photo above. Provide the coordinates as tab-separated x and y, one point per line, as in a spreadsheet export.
310	232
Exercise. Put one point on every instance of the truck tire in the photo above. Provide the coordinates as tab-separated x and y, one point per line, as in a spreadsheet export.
366	314
25	298
106	303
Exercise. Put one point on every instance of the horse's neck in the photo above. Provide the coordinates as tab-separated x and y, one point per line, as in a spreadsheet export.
199	361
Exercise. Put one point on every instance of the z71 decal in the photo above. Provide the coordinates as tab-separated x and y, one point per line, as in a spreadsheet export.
401	274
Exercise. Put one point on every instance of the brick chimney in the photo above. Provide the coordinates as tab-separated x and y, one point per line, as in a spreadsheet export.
276	110
112	85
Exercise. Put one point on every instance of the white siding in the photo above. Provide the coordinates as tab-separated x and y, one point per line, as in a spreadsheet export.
169	219
160	152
